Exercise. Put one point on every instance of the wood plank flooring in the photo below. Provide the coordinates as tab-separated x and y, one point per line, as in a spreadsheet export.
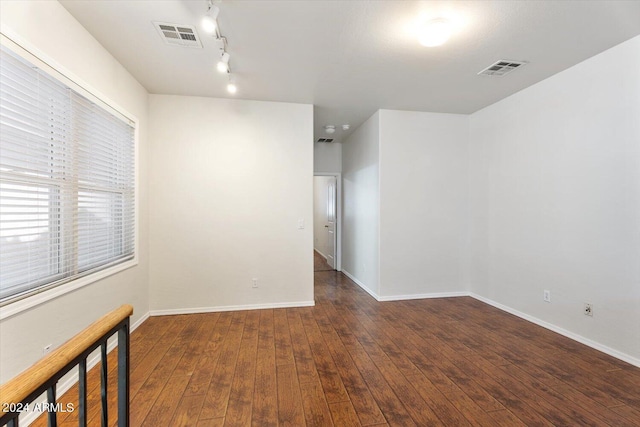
320	263
352	361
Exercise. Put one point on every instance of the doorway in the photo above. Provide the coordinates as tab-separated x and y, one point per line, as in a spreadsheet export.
326	221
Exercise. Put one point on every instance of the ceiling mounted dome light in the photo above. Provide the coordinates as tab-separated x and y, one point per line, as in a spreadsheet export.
435	32
330	129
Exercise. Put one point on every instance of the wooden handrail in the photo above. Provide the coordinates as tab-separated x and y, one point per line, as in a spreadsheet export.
25	383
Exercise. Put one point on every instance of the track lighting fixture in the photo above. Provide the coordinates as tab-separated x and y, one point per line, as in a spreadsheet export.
209	23
223	64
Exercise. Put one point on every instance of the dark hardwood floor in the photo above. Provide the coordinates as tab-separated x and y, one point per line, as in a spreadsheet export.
320	263
353	361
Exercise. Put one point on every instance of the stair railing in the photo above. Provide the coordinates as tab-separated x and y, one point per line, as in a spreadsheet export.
19	393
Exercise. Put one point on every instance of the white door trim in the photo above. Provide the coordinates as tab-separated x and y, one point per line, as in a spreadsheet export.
338	176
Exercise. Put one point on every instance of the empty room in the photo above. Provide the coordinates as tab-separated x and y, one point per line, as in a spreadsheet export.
319	212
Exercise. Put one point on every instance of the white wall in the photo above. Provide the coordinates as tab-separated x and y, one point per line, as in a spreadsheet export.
230	180
423	203
361	207
327	157
320	235
51	30
555	179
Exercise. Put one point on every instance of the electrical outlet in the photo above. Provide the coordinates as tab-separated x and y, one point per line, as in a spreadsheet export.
588	309
46	349
547	296
255	283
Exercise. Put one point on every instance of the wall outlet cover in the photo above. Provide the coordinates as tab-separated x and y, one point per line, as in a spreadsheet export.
588	309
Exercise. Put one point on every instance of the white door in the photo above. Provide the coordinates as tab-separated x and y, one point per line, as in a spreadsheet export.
330	226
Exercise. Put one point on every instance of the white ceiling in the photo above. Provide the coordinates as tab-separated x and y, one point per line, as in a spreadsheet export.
351	58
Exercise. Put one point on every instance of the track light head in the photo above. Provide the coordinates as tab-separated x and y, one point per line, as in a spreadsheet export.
231	87
209	23
223	64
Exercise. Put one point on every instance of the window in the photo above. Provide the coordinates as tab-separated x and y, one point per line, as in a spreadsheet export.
67	182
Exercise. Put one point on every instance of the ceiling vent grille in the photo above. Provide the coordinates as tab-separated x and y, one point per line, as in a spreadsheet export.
325	140
178	35
501	67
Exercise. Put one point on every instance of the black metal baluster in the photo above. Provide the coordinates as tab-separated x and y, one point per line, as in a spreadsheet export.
82	393
103	385
51	398
123	375
11	419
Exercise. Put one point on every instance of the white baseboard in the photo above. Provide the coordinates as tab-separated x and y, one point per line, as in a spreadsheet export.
423	296
195	310
403	297
359	283
63	386
140	321
320	253
579	338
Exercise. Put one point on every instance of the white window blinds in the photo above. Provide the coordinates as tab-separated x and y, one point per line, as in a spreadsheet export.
67	182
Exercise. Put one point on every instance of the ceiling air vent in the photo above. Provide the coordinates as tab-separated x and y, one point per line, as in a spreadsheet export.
502	67
178	35
325	140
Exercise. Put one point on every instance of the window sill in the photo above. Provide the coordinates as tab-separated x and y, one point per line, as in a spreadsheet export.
19	306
